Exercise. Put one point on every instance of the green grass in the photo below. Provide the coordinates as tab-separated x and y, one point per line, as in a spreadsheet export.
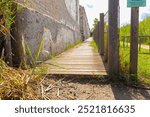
143	64
93	44
73	45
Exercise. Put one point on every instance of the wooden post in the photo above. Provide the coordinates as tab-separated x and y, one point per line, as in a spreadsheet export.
17	44
134	40
123	42
113	43
98	36
101	33
93	34
140	43
8	52
97	39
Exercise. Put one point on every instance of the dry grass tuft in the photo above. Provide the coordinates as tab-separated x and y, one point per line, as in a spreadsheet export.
17	84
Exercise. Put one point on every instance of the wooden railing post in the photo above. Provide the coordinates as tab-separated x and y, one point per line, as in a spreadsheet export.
101	33
113	43
97	35
134	40
106	37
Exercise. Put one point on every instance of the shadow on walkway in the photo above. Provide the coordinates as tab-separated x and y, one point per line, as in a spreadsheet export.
122	92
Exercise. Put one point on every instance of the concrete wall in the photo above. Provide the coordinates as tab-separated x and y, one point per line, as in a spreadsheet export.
55	23
84	25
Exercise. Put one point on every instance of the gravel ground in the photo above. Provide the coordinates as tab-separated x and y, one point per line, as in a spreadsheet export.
53	88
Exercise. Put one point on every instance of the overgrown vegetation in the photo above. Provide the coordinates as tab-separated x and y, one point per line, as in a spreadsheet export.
73	45
143	56
143	64
7	15
144	29
93	44
17	84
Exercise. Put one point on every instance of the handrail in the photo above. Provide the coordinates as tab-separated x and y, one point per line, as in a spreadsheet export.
138	36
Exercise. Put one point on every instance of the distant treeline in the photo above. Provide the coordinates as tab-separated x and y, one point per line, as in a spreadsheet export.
144	29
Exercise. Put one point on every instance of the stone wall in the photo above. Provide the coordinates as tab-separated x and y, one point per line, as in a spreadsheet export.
84	25
54	24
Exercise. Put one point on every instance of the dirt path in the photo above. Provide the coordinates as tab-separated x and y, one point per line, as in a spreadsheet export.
55	88
142	46
145	46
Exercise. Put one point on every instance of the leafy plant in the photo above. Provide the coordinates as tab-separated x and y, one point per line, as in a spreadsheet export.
34	59
94	24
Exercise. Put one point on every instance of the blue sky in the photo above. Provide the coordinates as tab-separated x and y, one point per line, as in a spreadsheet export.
94	7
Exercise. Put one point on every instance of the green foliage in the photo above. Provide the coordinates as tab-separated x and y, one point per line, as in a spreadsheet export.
94	24
124	57
39	50
144	29
125	30
93	44
73	45
143	56
35	59
7	11
143	64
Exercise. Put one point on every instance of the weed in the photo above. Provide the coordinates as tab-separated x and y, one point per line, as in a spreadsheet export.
34	60
73	45
143	65
93	44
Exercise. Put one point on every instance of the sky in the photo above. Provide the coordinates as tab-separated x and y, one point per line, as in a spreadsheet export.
94	7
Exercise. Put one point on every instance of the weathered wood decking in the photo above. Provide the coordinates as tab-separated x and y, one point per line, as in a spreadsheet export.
80	60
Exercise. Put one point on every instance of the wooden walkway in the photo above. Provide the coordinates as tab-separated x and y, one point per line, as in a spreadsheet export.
80	60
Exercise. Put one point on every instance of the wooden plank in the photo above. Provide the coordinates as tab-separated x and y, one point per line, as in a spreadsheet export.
77	69
81	60
74	70
77	73
74	66
76	63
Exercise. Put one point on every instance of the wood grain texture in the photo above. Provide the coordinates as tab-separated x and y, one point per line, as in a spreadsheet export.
134	40
80	60
113	38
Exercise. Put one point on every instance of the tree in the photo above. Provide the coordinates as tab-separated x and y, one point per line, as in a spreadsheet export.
94	24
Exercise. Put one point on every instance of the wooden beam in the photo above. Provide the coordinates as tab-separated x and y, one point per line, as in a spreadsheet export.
101	33
113	43
97	34
134	40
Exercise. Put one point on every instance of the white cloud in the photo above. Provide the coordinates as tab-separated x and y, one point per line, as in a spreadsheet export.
101	6
90	6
